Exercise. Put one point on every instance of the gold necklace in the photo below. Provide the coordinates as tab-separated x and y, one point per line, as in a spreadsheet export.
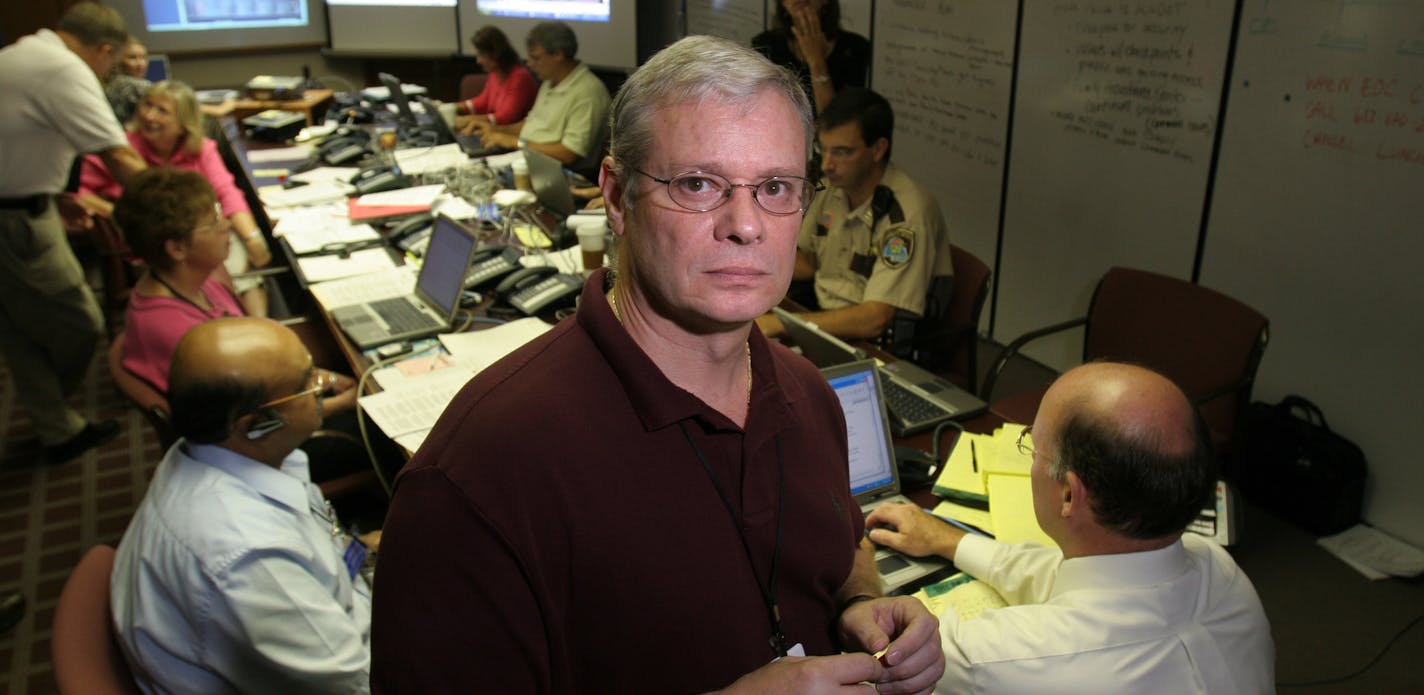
613	305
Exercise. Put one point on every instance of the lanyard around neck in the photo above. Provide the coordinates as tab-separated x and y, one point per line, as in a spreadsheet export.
768	588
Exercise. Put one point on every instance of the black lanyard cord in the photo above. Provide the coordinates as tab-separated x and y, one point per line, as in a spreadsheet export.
768	590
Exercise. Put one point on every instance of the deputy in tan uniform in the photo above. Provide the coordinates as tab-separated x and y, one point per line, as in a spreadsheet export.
874	241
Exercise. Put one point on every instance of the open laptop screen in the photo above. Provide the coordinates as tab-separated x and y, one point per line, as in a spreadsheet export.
871	462
443	275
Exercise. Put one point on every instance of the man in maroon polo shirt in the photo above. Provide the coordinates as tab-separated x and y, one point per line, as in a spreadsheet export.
652	497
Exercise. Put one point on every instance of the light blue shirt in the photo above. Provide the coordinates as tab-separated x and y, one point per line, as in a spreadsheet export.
231	579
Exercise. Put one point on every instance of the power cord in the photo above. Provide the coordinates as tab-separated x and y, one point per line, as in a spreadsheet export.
938	433
1368	665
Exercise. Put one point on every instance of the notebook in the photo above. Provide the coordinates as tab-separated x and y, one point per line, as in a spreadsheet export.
431	308
917	399
874	479
472	145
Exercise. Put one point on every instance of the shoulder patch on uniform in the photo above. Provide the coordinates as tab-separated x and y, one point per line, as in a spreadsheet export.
899	247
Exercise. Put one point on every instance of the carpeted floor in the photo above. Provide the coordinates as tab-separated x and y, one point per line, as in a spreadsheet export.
50	515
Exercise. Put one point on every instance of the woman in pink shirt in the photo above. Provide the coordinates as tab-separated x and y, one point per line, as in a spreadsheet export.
166	130
509	90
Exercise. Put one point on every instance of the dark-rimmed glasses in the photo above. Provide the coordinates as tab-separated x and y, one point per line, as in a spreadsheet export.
704	191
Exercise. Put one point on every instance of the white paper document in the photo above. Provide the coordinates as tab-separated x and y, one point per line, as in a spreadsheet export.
1374	553
415	406
418	195
333	266
373	287
482	348
278	154
419	160
311	194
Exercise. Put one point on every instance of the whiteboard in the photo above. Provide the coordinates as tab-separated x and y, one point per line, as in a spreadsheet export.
1317	219
1115	114
947	71
737	20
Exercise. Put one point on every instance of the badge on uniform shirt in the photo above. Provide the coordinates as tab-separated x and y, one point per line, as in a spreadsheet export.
899	248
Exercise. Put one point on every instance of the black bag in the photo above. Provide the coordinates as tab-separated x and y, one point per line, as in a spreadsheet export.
1297	468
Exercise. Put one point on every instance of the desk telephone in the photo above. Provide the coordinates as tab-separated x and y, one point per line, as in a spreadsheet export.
412	234
490	264
532	290
379	178
343	149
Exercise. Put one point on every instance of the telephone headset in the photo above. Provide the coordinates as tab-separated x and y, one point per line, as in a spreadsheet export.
261	429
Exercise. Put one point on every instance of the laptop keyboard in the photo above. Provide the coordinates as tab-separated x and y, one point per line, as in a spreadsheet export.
910	407
400	315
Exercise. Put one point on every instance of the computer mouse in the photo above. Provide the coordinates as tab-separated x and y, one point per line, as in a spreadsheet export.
470	299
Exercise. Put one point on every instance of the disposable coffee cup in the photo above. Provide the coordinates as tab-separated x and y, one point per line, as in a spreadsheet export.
590	238
521	175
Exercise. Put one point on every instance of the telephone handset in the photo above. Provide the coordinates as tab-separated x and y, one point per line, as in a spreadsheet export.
335	151
379	178
412	233
491	263
532	290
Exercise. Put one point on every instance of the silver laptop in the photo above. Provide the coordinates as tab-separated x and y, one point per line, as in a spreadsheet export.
551	187
431	308
874	479
917	399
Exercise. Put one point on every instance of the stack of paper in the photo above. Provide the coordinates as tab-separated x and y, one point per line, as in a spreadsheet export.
421	387
985	483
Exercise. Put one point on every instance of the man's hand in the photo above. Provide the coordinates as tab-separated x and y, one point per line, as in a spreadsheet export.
474	125
792	675
73	212
508	141
340	393
914	660
910	530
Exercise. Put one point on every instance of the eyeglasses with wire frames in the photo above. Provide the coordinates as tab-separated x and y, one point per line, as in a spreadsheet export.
704	191
1025	447
219	221
320	384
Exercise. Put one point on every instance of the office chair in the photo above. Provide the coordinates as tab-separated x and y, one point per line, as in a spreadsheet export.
1208	343
952	344
118	270
84	648
471	85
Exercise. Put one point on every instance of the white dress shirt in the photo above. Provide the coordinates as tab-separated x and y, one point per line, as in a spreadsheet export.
230	579
1182	619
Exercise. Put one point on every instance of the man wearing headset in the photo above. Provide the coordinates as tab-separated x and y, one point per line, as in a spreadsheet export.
234	575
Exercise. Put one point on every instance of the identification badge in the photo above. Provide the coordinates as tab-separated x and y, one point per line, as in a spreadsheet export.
354	557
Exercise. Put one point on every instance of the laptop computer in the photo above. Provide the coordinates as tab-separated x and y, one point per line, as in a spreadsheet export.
917	399
431	308
874	478
471	145
158	68
551	187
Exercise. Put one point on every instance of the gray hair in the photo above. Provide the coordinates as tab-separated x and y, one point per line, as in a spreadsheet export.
94	25
694	69
553	37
